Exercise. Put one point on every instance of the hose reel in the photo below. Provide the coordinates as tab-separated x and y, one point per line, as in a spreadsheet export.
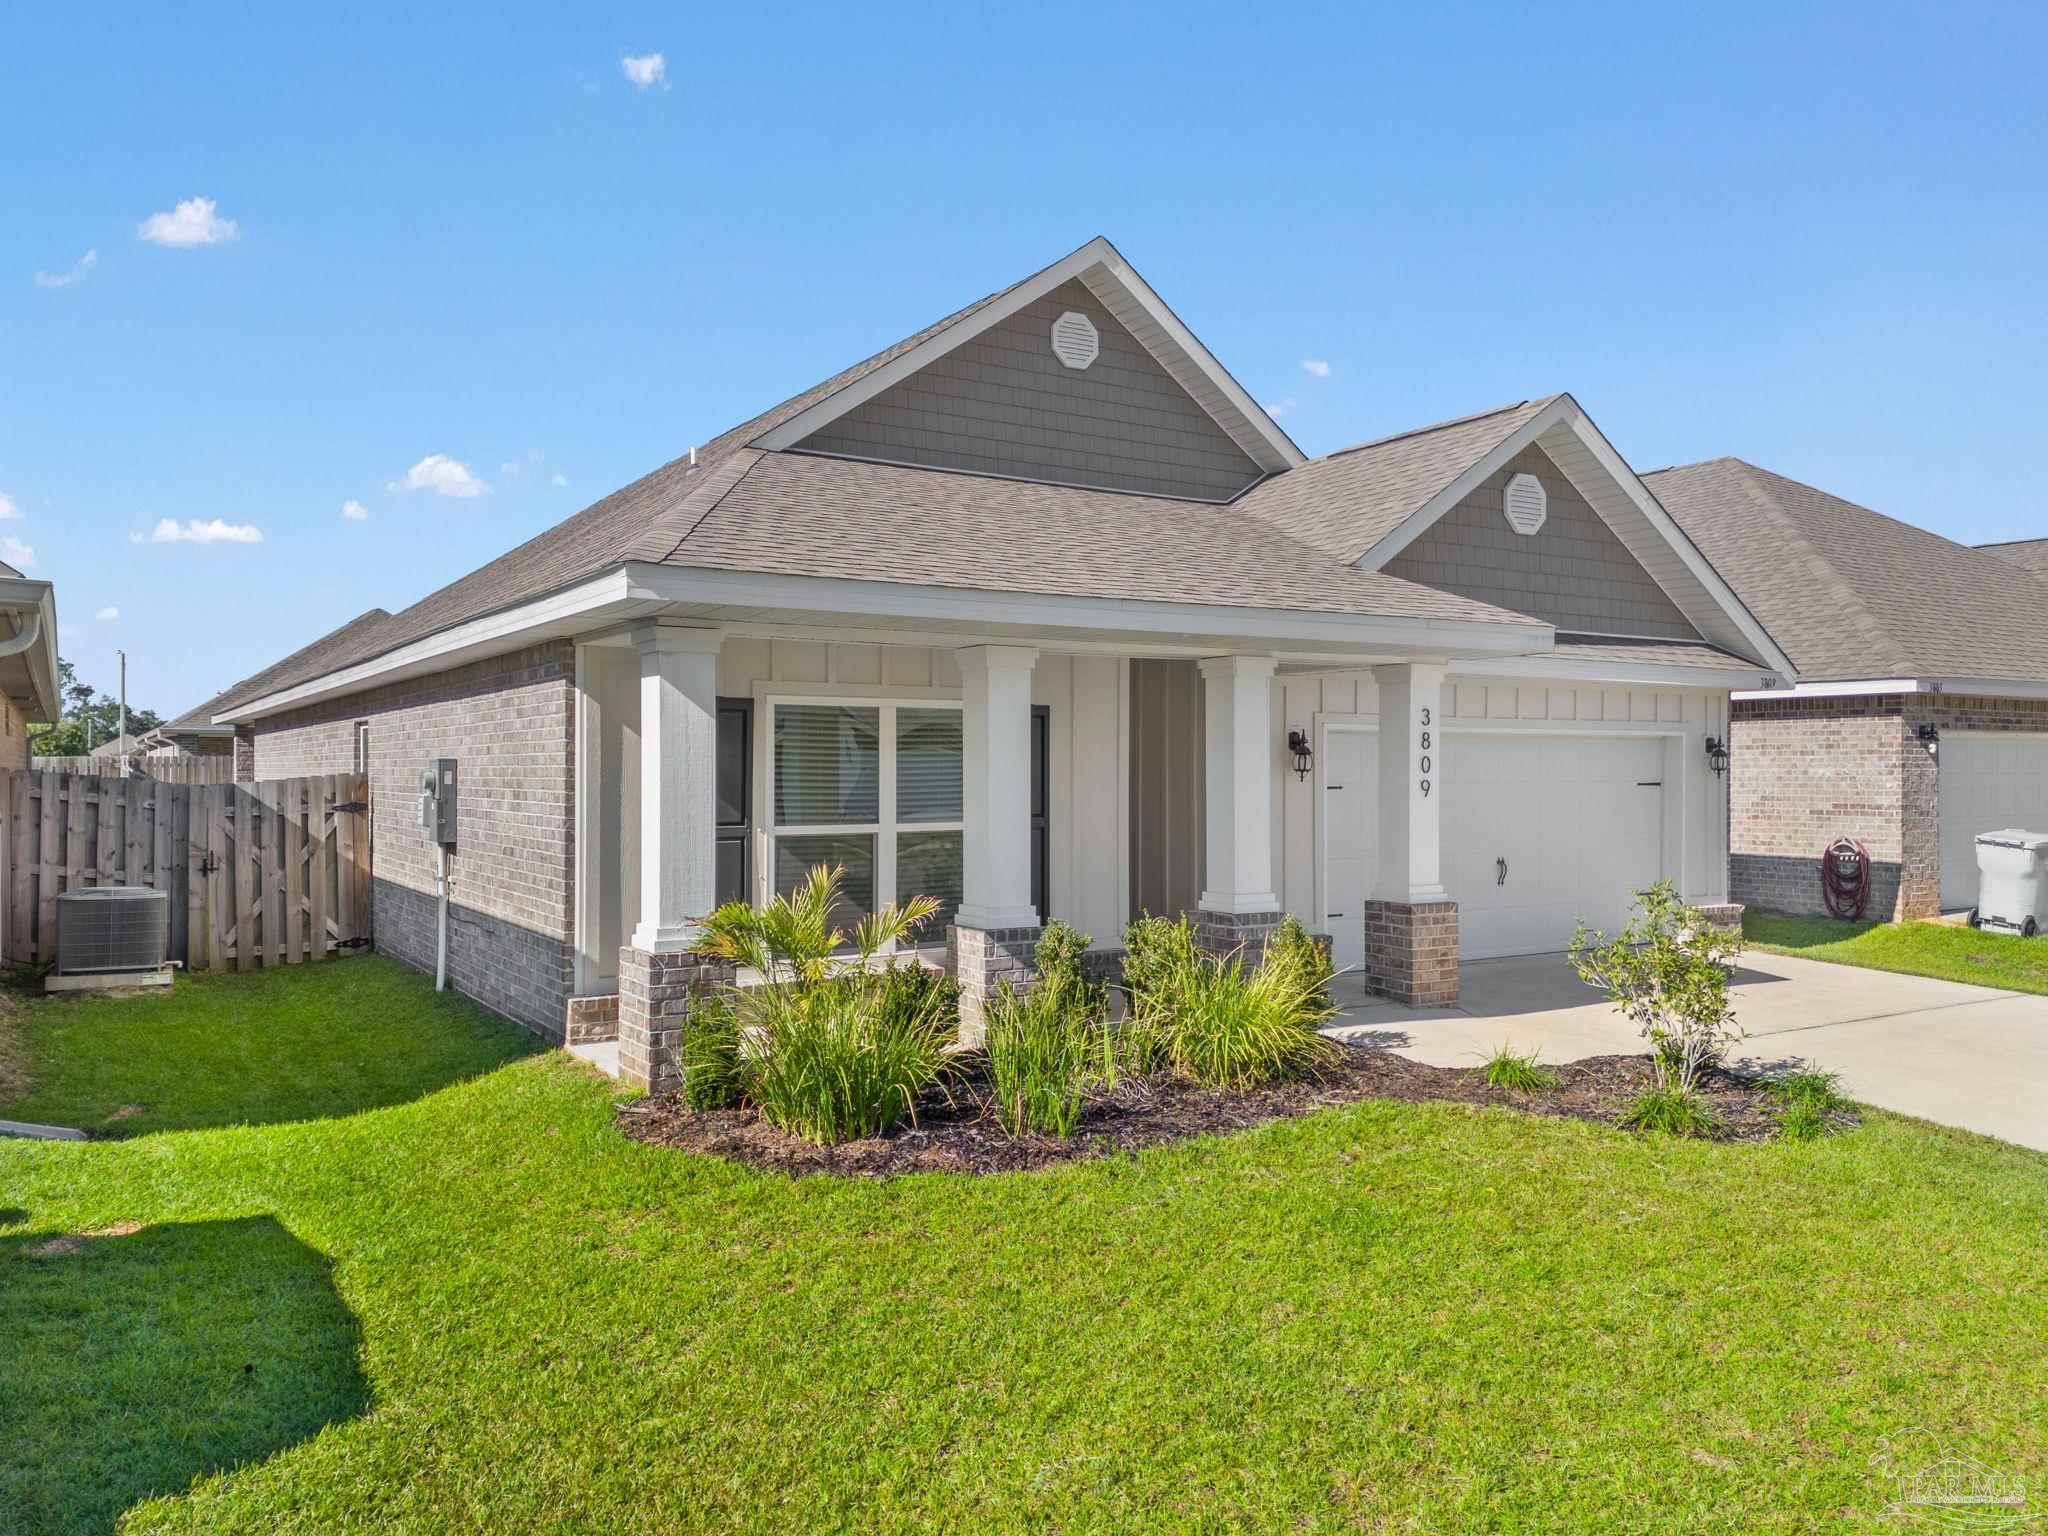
1845	878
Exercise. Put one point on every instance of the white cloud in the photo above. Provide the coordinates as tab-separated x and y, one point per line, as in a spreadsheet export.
65	279
560	478
354	511
1277	408
108	614
646	70
192	531
192	222
16	553
442	475
1315	367
8	510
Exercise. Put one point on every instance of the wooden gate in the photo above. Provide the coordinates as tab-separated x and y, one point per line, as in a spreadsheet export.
271	873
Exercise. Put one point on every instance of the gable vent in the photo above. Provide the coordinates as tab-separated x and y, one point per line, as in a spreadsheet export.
1074	341
1526	503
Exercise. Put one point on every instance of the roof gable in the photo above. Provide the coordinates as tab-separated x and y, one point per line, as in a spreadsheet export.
1854	594
2031	553
1004	403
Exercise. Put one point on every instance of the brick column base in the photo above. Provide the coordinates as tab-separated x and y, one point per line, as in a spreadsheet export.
1722	914
1411	952
981	957
245	755
1225	933
656	992
591	1019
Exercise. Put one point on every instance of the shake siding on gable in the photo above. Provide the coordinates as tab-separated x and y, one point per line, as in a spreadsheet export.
1572	571
1002	404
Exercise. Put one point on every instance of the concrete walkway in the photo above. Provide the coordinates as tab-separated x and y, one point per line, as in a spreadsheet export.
1966	1056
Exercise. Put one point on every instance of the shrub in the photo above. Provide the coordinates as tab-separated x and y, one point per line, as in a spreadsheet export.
1667	971
1676	1111
711	1053
1060	961
1293	947
792	938
1155	948
1042	1054
1518	1071
1802	1120
846	1058
1805	1100
1229	1027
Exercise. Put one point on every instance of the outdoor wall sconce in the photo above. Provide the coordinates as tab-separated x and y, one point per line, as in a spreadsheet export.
1304	754
1717	755
1929	737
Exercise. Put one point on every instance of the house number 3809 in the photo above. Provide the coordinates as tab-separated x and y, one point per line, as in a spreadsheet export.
1426	723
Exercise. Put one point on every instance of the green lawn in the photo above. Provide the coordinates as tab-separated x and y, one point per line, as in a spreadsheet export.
1952	953
484	1310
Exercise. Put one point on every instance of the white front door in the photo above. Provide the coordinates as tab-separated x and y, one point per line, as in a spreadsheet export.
1541	832
1350	776
1988	781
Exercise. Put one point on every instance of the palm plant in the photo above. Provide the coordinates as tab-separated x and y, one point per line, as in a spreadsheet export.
792	938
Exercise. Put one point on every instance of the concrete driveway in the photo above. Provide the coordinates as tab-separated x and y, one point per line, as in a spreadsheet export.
1966	1056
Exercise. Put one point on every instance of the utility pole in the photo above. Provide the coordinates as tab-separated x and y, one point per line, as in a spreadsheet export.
123	737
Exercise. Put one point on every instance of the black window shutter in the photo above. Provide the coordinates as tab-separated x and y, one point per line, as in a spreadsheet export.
735	799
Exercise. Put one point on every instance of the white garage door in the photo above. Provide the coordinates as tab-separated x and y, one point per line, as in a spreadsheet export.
1538	832
1987	781
1542	831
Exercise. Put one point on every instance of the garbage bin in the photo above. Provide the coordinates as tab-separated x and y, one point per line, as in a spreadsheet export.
2012	881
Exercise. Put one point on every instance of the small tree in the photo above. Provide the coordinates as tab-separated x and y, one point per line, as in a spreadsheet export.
1667	971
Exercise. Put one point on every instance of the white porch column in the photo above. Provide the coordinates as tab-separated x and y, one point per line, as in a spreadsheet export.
995	683
1411	923
678	784
1239	907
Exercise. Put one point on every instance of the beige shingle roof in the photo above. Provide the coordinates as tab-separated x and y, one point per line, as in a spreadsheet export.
310	660
2031	553
1347	501
1850	593
806	514
1655	653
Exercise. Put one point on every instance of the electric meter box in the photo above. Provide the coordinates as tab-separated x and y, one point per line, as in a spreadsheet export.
2012	881
437	801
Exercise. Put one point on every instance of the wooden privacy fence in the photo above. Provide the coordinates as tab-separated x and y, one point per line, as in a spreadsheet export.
272	873
217	769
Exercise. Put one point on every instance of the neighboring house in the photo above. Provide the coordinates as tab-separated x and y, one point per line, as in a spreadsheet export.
118	747
1921	713
2030	553
28	662
1038	612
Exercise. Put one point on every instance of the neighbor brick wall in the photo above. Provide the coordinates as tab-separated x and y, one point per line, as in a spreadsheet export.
509	721
13	736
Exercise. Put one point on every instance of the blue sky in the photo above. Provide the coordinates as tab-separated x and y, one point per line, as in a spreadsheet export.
1811	238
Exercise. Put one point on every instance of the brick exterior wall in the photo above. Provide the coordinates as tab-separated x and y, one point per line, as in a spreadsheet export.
1805	771
510	723
656	994
1226	933
1002	404
982	958
590	1019
245	756
1411	952
13	736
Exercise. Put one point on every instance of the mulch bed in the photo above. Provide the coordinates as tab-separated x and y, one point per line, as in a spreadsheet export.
959	1132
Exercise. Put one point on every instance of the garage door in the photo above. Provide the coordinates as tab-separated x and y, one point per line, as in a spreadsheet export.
1541	831
1987	781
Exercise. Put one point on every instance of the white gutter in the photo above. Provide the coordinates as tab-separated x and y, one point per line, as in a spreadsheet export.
35	639
1868	687
642	589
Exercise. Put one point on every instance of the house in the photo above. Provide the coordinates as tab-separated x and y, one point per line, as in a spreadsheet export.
1038	612
1920	717
28	662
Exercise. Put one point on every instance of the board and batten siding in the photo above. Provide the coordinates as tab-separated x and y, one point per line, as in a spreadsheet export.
1695	811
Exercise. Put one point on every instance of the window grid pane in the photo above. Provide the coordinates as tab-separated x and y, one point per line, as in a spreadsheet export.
930	864
827	765
854	853
928	765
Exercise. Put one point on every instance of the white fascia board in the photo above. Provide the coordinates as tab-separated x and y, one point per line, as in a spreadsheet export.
1732	679
1096	253
1026	611
1564	409
1852	688
602	599
20	594
637	588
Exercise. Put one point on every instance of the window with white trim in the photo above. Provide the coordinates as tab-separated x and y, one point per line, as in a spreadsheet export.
874	788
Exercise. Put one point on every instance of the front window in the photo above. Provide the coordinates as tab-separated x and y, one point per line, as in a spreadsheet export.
876	790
